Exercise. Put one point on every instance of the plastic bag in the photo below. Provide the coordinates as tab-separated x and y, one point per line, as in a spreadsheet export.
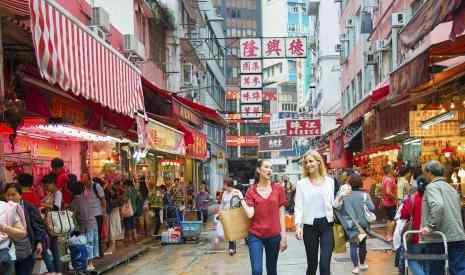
219	229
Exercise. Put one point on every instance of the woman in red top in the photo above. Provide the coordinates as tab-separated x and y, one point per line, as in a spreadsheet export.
265	203
411	210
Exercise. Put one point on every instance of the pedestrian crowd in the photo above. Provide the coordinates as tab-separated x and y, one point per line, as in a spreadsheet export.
79	221
415	202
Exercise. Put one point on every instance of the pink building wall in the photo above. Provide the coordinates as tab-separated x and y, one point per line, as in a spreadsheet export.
82	11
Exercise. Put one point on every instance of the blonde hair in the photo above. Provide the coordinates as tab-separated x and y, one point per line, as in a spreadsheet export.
315	155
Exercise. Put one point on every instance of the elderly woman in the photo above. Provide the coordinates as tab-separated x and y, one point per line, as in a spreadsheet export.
352	216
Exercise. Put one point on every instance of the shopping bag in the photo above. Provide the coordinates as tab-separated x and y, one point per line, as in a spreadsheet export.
339	239
39	267
290	223
235	223
60	222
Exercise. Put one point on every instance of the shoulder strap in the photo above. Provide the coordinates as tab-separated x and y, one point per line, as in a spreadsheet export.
94	186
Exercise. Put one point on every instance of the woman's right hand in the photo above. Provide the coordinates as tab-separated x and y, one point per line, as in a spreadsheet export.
299	233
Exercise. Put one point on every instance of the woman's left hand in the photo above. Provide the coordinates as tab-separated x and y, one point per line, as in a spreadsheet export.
283	245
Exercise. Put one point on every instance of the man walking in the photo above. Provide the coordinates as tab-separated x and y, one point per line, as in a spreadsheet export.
441	211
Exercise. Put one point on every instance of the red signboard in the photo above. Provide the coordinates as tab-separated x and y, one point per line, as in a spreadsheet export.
251	96
197	150
186	114
304	127
275	143
245	141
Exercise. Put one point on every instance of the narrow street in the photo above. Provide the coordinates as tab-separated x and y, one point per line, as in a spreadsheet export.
196	259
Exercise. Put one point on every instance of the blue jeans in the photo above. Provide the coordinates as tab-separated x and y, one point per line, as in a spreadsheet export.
417	267
319	235
358	252
456	258
49	261
271	246
92	243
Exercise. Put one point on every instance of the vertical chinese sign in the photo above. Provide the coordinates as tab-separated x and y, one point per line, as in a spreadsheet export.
251	78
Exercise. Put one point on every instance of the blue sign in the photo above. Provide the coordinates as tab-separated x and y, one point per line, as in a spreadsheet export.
290	115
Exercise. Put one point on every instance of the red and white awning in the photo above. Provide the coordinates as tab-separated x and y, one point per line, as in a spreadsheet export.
16	7
70	55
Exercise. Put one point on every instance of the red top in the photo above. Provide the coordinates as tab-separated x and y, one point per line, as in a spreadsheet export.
31	197
265	222
411	209
62	185
389	187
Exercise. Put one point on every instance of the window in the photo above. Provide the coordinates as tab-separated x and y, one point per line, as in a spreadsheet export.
231	106
249	152
280	67
292	28
266	106
294	9
233	152
233	129
254	129
360	85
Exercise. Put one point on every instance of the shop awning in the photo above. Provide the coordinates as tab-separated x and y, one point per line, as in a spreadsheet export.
70	55
431	14
416	73
15	7
380	92
205	111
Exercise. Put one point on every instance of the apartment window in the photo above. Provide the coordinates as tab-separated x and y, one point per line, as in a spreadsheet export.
294	9
280	66
233	152
249	152
231	106
292	27
233	129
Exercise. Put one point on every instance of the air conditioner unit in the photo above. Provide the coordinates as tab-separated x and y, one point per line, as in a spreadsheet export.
98	32
350	23
187	74
100	19
133	47
400	19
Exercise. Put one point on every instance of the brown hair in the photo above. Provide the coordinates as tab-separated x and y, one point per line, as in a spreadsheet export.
355	180
259	165
228	182
315	155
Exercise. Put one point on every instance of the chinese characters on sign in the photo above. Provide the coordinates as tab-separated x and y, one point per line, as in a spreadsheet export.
249	66
251	111
251	81
273	47
275	143
251	96
303	127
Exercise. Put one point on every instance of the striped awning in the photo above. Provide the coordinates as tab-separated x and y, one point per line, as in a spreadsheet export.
15	7
70	55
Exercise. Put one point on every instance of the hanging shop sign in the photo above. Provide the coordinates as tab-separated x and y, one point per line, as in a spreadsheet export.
304	127
245	141
251	111
270	94
251	96
251	81
412	74
371	129
450	127
249	66
186	114
67	110
232	95
393	120
198	150
162	138
275	143
273	47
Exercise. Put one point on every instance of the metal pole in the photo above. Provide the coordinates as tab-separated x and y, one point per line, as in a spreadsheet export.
2	89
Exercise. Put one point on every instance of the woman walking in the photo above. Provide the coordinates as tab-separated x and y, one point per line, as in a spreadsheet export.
313	212
226	204
265	205
352	214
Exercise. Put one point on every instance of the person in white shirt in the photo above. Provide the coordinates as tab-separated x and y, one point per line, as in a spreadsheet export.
313	212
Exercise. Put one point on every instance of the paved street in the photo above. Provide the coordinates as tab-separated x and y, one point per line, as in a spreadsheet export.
199	259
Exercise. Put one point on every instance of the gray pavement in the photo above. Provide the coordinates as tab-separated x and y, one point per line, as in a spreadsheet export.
202	259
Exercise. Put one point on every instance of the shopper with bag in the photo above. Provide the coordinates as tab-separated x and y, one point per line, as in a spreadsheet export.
313	212
355	214
225	205
12	227
30	247
265	205
114	194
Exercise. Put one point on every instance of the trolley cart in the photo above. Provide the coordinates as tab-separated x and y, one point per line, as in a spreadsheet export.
171	216
191	225
426	257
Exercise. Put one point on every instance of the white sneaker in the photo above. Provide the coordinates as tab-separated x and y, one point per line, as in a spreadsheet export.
356	271
363	267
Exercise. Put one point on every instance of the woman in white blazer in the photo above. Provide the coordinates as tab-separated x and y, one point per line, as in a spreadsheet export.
314	216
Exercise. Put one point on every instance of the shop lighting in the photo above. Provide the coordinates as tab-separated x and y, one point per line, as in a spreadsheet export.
437	119
452	105
390	137
73	132
412	141
22	133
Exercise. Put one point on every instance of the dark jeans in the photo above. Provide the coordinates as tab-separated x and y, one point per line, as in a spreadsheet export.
55	254
358	252
47	256
99	229
24	266
318	236
157	221
456	258
204	215
271	245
